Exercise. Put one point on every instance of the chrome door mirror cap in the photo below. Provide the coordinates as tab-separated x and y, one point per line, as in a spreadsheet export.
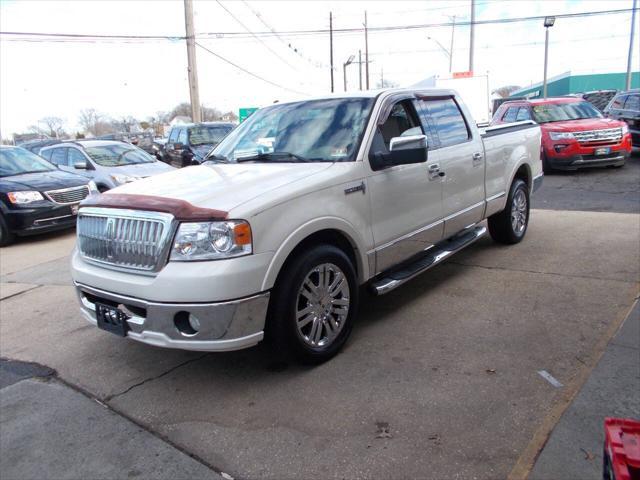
409	142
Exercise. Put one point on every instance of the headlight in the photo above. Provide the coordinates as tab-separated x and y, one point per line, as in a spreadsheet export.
561	135
24	197
93	188
212	240
122	179
625	128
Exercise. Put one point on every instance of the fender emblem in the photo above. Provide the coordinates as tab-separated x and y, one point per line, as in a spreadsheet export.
355	189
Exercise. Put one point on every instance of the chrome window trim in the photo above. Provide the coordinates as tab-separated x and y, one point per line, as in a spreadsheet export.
496	196
165	243
464	210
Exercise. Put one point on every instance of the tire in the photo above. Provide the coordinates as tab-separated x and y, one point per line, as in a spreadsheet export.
326	325
6	236
546	166
510	225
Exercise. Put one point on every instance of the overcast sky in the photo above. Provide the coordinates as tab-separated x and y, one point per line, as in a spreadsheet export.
140	78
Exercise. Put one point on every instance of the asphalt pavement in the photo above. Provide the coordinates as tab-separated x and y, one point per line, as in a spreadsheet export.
441	378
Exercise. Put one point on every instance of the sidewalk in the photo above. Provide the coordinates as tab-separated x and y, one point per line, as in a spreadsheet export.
50	431
574	449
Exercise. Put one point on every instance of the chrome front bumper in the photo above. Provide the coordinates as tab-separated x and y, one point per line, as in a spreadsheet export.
224	326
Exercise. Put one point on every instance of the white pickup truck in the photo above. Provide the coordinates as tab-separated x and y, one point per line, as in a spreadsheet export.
297	208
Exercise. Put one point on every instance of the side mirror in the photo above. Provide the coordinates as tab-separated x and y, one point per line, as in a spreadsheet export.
402	151
80	165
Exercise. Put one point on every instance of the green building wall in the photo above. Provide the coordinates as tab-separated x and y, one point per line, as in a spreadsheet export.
581	83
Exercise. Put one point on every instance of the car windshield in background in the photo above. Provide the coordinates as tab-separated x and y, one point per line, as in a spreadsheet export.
16	161
118	155
558	112
208	135
316	130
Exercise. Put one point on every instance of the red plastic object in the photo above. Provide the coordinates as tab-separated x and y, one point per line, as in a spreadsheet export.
621	449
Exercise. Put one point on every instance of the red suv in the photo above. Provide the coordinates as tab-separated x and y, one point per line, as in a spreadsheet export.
574	132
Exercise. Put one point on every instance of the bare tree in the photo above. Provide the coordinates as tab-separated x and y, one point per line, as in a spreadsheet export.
505	91
89	119
125	124
52	127
384	83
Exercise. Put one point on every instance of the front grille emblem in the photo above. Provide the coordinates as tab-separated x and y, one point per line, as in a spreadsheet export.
110	234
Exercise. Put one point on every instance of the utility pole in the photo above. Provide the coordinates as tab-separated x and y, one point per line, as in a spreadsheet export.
366	49
194	92
331	46
633	28
453	31
360	67
381	77
472	33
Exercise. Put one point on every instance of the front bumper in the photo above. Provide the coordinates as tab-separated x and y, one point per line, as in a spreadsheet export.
575	162
31	221
224	326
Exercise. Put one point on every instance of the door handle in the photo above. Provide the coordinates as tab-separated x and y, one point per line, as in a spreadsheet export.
434	171
477	158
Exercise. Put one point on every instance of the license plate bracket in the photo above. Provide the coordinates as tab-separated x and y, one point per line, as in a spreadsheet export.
74	209
602	151
112	319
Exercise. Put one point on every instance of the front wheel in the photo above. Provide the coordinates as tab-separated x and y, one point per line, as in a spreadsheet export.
6	236
510	225
313	305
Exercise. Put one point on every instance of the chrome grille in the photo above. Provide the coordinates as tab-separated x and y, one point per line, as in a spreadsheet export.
599	136
66	196
125	239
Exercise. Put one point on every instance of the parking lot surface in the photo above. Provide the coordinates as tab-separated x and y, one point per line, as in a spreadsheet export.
440	378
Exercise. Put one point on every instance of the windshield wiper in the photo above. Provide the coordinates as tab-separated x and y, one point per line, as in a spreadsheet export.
214	157
273	157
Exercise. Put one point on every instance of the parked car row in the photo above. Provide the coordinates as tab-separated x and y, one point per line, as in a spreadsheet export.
574	133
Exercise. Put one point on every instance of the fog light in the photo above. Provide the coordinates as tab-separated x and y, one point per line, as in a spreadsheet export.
186	323
194	322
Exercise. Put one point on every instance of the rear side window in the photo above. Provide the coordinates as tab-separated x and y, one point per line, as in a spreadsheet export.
632	103
523	114
182	136
59	157
450	126
511	114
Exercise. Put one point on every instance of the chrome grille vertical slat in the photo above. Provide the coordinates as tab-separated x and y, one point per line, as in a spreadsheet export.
124	238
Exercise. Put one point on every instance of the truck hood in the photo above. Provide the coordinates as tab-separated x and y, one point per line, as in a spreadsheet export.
222	187
581	125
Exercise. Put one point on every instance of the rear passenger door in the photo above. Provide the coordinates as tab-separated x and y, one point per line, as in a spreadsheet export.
59	158
460	155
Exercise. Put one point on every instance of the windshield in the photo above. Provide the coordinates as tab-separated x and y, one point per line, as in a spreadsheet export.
558	112
317	130
208	135
117	155
15	161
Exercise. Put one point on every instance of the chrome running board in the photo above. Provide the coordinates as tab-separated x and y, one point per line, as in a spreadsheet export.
424	261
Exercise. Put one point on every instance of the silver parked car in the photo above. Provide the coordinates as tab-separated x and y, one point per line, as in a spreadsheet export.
108	163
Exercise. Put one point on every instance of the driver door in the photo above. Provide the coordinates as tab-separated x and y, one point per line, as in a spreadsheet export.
406	200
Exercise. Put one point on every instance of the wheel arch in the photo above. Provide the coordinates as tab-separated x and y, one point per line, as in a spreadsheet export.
328	230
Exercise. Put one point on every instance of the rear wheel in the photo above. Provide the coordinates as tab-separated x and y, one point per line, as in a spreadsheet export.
510	225
313	305
6	236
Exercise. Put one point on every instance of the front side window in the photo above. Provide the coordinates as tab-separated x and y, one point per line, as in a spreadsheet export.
182	136
450	125
208	134
16	161
559	112
74	156
618	102
400	122
173	136
632	103
327	130
117	155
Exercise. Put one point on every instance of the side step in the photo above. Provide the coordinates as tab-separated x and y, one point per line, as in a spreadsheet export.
424	261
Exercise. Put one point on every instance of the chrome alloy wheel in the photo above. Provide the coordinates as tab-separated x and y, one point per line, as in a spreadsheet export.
519	212
322	305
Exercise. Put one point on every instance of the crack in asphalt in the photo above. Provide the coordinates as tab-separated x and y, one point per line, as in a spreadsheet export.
108	398
585	277
20	293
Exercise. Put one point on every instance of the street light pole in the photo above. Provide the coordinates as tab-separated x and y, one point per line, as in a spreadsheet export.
548	23
453	31
360	67
331	46
472	34
344	70
633	27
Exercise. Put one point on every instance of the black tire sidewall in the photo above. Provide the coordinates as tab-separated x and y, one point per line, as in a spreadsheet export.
282	328
6	236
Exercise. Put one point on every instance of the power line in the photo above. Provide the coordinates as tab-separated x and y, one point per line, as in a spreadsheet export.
255	75
255	36
358	30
